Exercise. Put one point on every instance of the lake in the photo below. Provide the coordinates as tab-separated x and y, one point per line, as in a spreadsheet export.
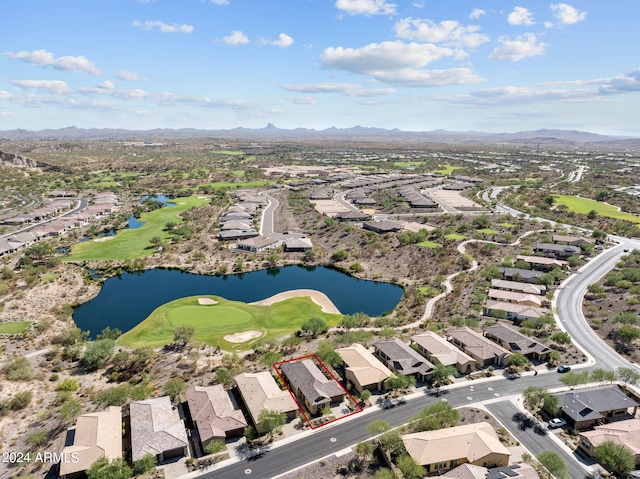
126	300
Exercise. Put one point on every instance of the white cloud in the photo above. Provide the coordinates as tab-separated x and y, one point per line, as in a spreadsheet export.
366	7
283	41
5	95
521	47
106	85
414	78
374	92
383	56
236	38
127	75
520	16
52	86
627	83
348	89
303	100
220	2
477	13
163	27
399	63
566	14
448	32
327	87
45	58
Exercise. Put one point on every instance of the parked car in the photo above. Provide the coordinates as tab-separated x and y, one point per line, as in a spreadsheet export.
626	250
557	422
564	369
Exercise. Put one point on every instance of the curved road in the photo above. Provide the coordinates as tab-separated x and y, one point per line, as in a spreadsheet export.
344	434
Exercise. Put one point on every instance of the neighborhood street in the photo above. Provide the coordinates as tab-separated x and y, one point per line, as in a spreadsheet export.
344	434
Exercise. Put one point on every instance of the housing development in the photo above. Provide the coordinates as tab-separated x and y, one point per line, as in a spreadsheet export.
228	307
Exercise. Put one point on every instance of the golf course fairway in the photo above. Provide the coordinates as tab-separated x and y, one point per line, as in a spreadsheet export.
215	321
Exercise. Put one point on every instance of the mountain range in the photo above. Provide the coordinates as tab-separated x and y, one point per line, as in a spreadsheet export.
538	138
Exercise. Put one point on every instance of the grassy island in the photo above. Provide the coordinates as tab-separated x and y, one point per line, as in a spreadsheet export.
215	321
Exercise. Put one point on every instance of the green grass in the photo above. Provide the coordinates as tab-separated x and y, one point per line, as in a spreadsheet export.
585	206
233	185
406	164
134	243
213	322
14	327
238	173
430	244
488	231
48	278
228	152
455	237
507	225
447	169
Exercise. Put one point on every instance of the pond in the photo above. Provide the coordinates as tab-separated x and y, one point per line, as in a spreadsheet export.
127	300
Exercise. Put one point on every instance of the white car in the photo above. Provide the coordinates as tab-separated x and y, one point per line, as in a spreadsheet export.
557	422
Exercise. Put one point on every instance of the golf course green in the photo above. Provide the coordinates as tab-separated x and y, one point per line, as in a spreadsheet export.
215	321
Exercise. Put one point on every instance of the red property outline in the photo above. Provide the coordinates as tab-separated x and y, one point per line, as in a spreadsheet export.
300	408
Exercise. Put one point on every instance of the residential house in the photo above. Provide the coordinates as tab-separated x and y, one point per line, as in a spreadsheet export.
257	244
542	263
528	288
443	449
515	471
525	299
363	369
403	359
385	226
156	429
236	225
352	216
516	342
96	435
557	251
520	275
298	245
260	391
214	413
516	312
440	351
584	408
310	385
572	240
484	351
625	433
230	235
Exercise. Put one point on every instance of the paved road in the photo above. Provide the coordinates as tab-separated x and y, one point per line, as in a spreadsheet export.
569	307
344	434
267	222
537	440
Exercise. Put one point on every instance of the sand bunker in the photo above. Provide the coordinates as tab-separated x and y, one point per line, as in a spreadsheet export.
103	239
242	337
317	297
207	301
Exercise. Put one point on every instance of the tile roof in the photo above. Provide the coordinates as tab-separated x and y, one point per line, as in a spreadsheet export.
471	442
403	358
261	391
441	349
155	428
518	343
305	376
213	411
366	368
626	433
476	343
97	435
588	403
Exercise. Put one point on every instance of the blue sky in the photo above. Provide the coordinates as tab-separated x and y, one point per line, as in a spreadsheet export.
484	65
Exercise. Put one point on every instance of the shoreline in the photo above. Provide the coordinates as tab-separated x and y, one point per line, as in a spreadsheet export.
316	296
